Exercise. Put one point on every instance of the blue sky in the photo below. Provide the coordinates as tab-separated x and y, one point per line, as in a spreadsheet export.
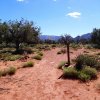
55	17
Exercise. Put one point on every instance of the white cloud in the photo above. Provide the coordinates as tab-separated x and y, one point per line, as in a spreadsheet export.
20	0
74	14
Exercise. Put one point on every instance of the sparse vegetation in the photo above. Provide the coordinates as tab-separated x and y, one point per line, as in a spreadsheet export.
84	75
40	53
70	72
11	70
8	71
37	57
62	51
28	64
86	60
62	63
75	46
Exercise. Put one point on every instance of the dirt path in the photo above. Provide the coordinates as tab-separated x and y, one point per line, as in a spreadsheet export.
41	82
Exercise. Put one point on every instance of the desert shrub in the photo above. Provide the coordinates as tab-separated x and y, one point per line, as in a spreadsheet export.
84	77
62	63
8	71
70	72
89	47
53	45
9	57
80	62
11	71
37	57
90	71
13	57
97	66
40	53
28	64
28	50
75	46
85	60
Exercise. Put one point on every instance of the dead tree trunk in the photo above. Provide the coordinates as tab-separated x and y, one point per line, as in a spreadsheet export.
68	54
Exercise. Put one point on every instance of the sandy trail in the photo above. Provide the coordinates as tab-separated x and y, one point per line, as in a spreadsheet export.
41	82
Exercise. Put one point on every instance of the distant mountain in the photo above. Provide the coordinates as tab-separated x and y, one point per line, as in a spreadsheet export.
84	36
51	37
54	37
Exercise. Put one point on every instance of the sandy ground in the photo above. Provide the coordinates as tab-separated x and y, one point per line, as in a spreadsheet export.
41	81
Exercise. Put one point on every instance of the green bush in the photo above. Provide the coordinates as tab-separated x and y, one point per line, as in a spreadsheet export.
28	64
9	57
70	72
62	63
13	57
80	62
11	71
90	71
75	46
84	77
37	57
85	60
8	71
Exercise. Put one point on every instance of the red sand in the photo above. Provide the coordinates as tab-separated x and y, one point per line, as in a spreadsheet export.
41	81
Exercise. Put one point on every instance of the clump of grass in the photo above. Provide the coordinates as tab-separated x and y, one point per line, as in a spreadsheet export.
13	57
89	47
28	64
40	53
8	71
85	60
90	71
76	46
9	57
61	64
37	57
11	71
84	75
70	72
